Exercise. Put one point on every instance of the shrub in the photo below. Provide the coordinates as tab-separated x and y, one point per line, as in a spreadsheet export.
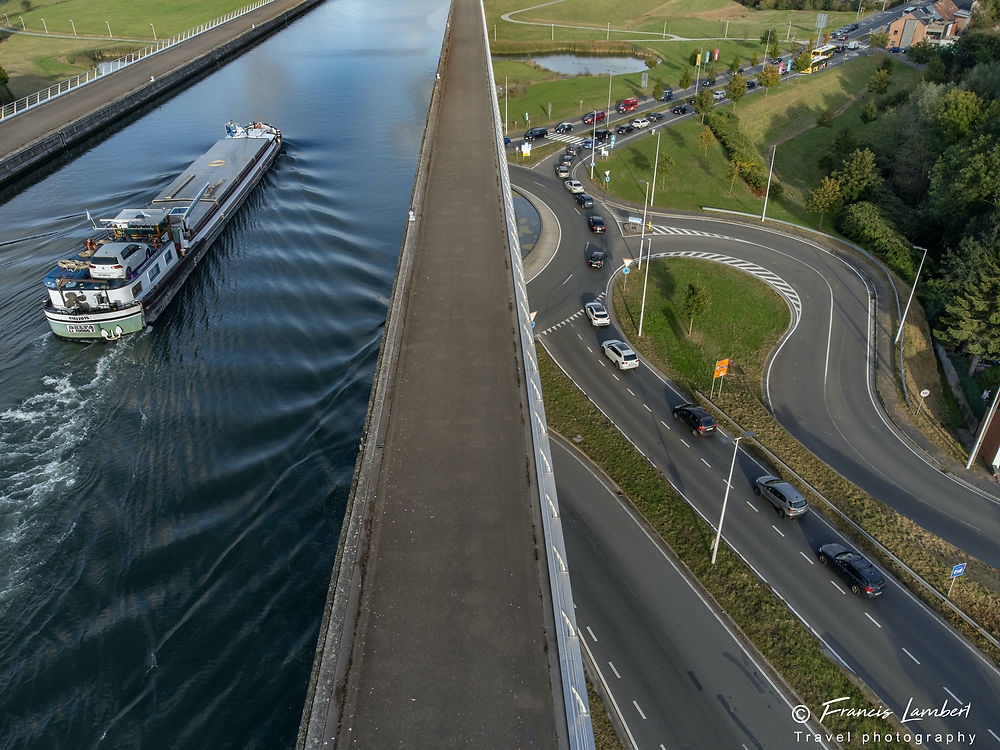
726	127
864	223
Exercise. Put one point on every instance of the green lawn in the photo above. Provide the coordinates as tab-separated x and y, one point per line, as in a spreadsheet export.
743	332
35	62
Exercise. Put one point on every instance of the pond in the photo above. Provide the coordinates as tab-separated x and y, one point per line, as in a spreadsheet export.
578	65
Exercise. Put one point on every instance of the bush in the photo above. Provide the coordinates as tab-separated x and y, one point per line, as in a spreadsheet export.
865	224
726	127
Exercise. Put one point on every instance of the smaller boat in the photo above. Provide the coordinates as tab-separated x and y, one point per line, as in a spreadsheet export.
122	280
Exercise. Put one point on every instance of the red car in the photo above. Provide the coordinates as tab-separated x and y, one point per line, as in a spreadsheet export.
628	105
594	115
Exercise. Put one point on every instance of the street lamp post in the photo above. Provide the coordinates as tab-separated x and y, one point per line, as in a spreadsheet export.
608	110
789	34
899	333
45	26
6	21
656	158
725	499
505	105
108	24
23	27
763	213
154	31
73	25
642	236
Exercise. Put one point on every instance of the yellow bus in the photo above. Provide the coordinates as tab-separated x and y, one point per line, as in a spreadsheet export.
819	57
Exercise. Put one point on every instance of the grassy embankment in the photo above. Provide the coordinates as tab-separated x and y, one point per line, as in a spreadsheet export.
36	62
741	334
763	618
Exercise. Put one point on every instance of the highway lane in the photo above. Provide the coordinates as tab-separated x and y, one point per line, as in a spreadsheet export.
869	637
678	675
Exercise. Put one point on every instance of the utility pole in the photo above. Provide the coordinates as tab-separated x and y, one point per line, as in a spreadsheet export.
774	150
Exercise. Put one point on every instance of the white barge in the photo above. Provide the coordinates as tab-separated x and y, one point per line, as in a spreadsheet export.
121	281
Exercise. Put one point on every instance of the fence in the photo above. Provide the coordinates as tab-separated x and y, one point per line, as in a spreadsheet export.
40	97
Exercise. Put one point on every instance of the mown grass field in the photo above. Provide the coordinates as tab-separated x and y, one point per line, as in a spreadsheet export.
34	62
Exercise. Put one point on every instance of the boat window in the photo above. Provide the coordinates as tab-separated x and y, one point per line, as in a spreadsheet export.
154	272
170	255
137	289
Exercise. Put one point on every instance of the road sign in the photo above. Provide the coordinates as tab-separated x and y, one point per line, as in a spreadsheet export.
958	570
626	270
645	79
720	368
607	178
593	164
525	148
612	141
821	21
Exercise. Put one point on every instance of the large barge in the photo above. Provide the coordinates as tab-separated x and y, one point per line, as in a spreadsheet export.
122	280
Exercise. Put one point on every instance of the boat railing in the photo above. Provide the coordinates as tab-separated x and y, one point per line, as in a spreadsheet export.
40	97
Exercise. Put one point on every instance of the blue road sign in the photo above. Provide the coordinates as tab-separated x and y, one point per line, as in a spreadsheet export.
607	178
625	270
612	141
592	165
958	570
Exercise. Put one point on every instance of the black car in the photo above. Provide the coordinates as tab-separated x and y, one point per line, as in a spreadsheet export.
572	150
596	224
708	82
566	160
680	110
563	127
602	135
699	421
863	577
596	259
624	129
654	116
776	61
853	27
534	133
739	70
584	200
668	94
751	85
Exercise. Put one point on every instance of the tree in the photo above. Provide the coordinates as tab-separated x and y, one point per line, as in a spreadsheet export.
921	52
733	172
25	5
705	138
971	322
802	61
703	103
685	79
825	119
859	176
824	198
665	168
957	114
754	59
658	89
879	82
694	57
935	72
767	35
879	38
869	112
734	64
775	48
769	78
886	65
736	88
695	302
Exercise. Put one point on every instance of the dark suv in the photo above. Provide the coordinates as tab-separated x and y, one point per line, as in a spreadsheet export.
696	418
534	133
863	577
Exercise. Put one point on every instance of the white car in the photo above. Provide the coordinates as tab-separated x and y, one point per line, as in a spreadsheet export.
640	122
118	260
718	95
598	314
574	186
621	354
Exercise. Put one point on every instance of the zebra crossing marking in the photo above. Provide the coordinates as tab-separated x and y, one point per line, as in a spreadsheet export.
565	138
570	319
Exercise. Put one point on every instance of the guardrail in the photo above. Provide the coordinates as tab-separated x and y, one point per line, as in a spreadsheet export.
40	97
574	686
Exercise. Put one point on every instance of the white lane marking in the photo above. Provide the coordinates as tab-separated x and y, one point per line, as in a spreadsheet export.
911	656
778	530
988	730
829	340
638	709
808	559
706	463
836	586
567	279
685	443
945	689
615	377
876	622
664	424
581	338
647	409
610	664
592	634
611	696
630	391
591	351
751	506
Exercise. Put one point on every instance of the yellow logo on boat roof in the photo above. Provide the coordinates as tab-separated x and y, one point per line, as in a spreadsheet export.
216	163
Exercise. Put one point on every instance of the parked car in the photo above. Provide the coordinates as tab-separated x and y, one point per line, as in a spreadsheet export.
667	95
118	260
596	224
624	129
621	354
562	171
654	116
572	150
596	259
574	186
628	105
698	420
863	577
680	110
594	115
640	123
598	314
563	127
533	133
786	499
584	201
602	135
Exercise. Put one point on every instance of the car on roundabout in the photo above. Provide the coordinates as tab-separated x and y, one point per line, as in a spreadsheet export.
587	143
621	354
697	418
566	160
583	200
863	577
563	127
598	314
785	497
562	171
596	259
596	224
574	186
572	150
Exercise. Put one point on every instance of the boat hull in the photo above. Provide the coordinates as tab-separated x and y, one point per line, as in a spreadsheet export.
96	326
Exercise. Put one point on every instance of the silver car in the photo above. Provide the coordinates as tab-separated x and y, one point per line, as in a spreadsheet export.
597	313
787	500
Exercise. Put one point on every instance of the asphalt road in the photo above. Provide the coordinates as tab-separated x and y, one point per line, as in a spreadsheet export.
678	675
895	644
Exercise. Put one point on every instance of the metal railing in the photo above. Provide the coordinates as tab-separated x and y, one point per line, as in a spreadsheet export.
574	686
40	97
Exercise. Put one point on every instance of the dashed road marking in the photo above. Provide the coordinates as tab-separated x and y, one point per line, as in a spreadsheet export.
592	634
610	664
751	506
685	443
952	694
911	656
876	622
647	408
808	559
638	709
837	586
706	463
778	530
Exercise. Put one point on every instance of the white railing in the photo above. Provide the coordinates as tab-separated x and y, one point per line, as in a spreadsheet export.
40	97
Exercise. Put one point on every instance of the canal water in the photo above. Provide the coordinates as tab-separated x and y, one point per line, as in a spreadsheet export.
170	504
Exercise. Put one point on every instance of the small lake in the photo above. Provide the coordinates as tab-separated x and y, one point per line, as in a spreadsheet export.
577	65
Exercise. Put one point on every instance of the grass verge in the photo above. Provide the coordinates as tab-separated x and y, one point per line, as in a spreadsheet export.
605	736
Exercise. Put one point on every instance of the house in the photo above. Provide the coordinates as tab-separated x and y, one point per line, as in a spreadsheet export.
936	23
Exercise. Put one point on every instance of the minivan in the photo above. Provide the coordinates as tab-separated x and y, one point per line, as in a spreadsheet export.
628	105
534	133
